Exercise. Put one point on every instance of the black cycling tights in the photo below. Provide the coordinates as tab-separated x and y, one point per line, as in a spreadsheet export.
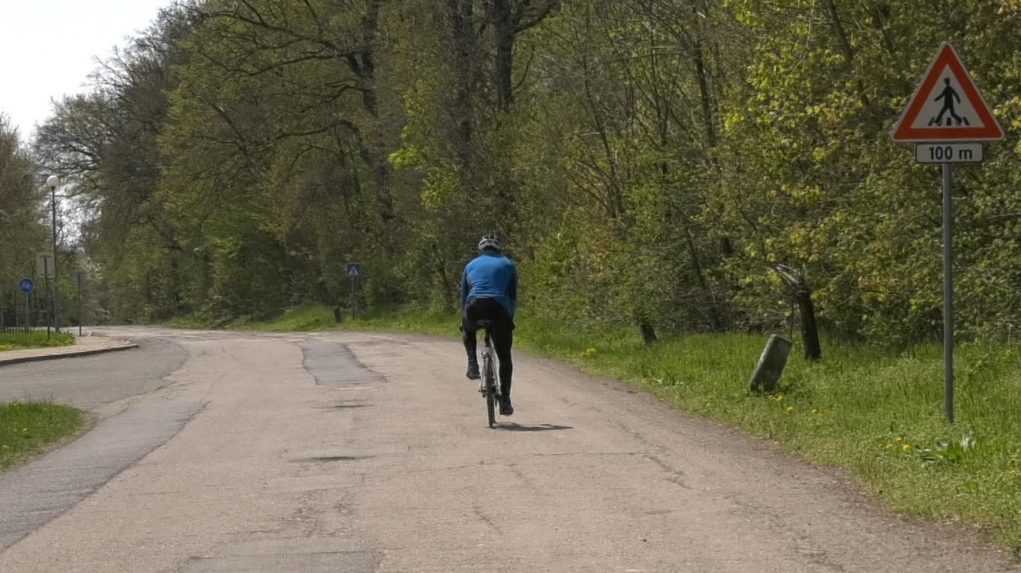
502	330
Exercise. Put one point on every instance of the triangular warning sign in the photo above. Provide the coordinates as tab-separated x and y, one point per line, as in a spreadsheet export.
947	106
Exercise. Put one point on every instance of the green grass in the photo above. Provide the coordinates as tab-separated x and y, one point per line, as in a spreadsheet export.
303	318
190	321
27	428
34	339
874	411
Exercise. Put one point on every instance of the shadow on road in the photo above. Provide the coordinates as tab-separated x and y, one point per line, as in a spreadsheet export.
328	459
512	427
346	405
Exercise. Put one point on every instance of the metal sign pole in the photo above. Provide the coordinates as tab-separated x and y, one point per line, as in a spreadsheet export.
947	140
948	295
81	318
354	296
49	319
53	293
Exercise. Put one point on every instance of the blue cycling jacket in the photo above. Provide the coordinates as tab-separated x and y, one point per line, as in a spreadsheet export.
491	275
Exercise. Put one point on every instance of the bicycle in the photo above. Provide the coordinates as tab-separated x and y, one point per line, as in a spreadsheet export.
490	385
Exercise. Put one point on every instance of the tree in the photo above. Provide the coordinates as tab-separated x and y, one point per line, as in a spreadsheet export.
22	234
673	165
104	144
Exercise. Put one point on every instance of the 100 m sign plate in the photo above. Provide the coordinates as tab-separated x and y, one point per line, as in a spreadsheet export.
948	152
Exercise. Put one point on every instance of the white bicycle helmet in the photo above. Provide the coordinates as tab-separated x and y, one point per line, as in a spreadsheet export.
489	242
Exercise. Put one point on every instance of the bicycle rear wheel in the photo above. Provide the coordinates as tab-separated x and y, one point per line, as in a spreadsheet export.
490	390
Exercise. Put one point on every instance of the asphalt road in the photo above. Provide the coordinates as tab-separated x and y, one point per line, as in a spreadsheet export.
369	452
93	381
117	389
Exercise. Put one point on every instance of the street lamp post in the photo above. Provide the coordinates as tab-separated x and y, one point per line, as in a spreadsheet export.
52	182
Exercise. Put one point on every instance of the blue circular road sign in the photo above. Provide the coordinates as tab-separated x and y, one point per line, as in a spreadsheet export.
26	286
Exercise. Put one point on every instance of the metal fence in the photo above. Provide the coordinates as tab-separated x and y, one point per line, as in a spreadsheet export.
20	313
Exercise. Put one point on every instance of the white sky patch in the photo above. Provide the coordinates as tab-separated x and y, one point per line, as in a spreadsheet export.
48	48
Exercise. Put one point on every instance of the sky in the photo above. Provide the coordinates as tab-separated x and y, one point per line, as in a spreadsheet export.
48	48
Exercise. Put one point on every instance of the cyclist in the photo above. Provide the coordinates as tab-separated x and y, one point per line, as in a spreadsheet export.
489	291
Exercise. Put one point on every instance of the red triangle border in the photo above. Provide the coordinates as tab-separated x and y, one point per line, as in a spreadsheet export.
904	133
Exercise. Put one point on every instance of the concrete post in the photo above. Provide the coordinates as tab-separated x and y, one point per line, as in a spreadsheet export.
771	364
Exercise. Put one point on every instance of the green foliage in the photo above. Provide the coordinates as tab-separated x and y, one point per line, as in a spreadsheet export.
832	195
103	144
652	165
26	428
34	339
22	234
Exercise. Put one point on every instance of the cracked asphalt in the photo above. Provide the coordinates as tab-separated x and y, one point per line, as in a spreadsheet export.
370	452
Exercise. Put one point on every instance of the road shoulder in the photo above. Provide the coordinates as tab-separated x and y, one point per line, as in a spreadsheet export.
84	346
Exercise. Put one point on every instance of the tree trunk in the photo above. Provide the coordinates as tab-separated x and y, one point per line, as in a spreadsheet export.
444	278
504	35
847	48
175	284
809	329
701	73
648	332
372	143
803	295
715	322
504	32
461	15
379	170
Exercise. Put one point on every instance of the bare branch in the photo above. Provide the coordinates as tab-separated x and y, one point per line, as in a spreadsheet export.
522	24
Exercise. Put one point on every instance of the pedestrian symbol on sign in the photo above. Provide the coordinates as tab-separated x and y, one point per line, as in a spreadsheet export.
354	269
949	97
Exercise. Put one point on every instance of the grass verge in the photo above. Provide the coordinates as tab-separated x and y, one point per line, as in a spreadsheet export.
28	428
874	411
34	339
303	318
